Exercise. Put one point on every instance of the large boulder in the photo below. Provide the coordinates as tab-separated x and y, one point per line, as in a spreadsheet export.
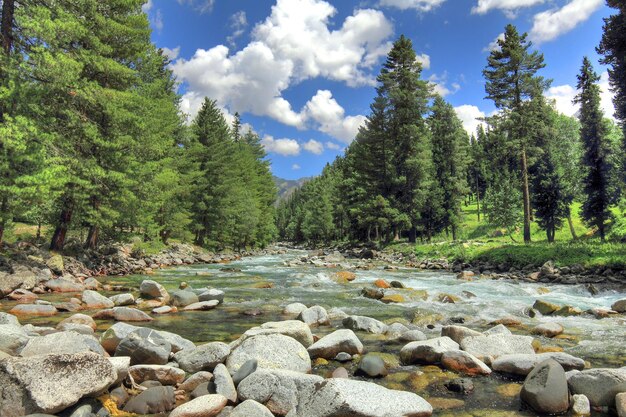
548	329
62	342
427	351
114	335
458	333
314	316
12	339
366	324
524	363
166	375
154	400
204	406
272	351
145	346
183	298
599	385
93	300
250	408
81	319
619	306
122	314
153	289
22	277
345	397
488	348
292	328
545	389
42	310
121	300
202	358
178	342
294	309
464	363
545	307
342	340
6	318
212	294
202	306
51	383
223	383
64	285
278	390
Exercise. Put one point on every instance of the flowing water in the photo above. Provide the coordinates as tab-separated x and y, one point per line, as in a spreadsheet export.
601	342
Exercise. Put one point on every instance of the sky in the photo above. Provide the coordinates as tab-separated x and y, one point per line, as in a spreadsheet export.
302	73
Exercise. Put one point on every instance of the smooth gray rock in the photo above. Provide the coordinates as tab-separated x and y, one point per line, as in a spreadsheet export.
498	329
145	346
202	358
412	336
548	329
121	300
272	351
342	340
458	333
196	379
600	385
12	339
121	365
153	289
77	328
178	342
166	375
545	388
345	397
204	406
292	328
62	342
202	306
92	300
314	316
114	335
6	318
366	324
212	294
372	366
489	348
152	401
251	408
395	330
51	383
294	309
464	363
523	364
224	383
78	318
183	298
246	369
427	351
581	406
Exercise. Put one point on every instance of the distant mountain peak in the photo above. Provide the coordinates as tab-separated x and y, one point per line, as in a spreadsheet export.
287	187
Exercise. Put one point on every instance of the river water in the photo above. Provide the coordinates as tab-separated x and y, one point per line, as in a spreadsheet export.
482	301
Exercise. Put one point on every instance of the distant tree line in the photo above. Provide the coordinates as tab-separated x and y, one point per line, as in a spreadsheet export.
412	165
93	142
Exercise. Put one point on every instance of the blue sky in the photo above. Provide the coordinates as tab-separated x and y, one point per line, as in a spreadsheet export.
302	72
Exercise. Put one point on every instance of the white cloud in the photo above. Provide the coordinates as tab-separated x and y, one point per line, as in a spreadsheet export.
509	7
563	96
551	24
295	167
238	23
424	60
285	147
158	20
421	5
324	110
333	146
493	45
201	6
172	54
147	6
439	82
469	115
314	147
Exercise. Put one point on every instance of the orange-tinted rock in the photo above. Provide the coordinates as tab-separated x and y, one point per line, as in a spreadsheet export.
381	283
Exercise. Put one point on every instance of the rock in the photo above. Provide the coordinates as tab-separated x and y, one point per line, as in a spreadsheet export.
202	306
178	342
342	340
460	385
345	276
80	319
600	385
33	310
93	300
294	309
340	372
166	375
373	293
122	314
55	263
336	313
336	257
428	351
64	285
6	318
545	307
292	328
246	369
344	397
498	329
464	363
183	298
92	284
448	298
458	333
153	289
22	296
372	366
381	283
394	330
78	328
567	311
522	364
224	383
545	389
619	306
314	316
620	404
412	336
152	401
548	329
120	300
121	365
196	379
204	406
51	383
397	284
277	389
62	342
114	335
273	351
251	408
145	346
466	275
488	348
212	294
367	324
12	339
164	310
202	358
581	406
393	299
22	277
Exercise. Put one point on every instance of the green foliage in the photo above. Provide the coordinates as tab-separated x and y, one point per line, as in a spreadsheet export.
502	203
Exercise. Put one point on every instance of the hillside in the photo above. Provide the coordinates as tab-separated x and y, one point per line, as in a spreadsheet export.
287	187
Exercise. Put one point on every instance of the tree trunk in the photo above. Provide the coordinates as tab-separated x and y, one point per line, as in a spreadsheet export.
453	232
601	229
550	232
396	234
38	229
571	227
1	232
6	31
92	237
413	235
60	233
526	194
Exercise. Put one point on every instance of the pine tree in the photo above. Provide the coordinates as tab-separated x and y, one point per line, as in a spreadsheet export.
599	195
511	79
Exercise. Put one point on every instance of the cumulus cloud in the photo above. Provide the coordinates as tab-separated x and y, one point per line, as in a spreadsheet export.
238	24
285	147
439	84
333	146
172	54
147	6
424	60
324	111
314	147
551	24
563	96
469	115
493	45
509	7
157	21
202	6
420	5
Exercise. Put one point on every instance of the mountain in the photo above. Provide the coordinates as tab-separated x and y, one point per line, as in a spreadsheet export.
287	187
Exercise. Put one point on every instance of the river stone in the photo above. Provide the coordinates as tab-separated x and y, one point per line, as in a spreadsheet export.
224	383
51	383
205	388
183	298
202	306
246	369
581	406
121	300
292	328
145	346
488	348
428	351
62	342
395	330
345	397
194	380
342	340
314	316
336	313
458	333
212	294
545	388
545	308
121	365
620	404
12	339
278	390
522	364
93	300
122	314
114	335
22	295
178	342
204	406
464	363
294	309
272	351
33	310
343	357
251	408
80	319
412	336
152	401
166	375
548	329
619	306
6	318
600	385
497	329
77	328
202	358
367	324
372	366
153	289
64	285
